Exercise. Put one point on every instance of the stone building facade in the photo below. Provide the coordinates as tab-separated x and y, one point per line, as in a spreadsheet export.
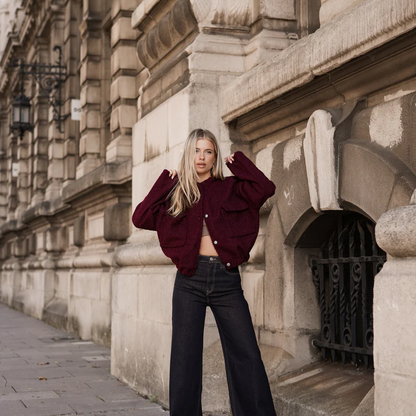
319	94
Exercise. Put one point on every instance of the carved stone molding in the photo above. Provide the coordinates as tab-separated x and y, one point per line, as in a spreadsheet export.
182	19
222	12
320	159
178	23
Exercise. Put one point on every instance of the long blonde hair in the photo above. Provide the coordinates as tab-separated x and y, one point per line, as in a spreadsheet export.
186	192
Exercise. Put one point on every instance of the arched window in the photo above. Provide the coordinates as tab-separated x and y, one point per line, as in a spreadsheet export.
343	274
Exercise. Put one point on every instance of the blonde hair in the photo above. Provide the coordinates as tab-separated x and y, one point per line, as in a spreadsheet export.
186	193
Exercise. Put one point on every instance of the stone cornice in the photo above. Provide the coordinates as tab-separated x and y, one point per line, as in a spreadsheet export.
9	227
106	174
366	27
95	186
44	209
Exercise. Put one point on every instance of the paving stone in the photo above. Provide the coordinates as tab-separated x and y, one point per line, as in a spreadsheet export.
95	404
30	385
55	355
9	366
52	373
27	396
29	352
110	413
8	355
74	392
6	390
96	358
11	408
89	377
18	374
109	395
145	412
48	406
80	371
17	360
72	363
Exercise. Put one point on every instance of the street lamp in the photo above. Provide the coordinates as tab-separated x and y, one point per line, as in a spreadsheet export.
21	115
49	78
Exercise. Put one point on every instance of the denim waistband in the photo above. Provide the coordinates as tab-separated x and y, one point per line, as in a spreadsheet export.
209	259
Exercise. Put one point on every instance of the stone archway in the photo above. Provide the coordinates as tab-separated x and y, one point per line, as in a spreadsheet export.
365	177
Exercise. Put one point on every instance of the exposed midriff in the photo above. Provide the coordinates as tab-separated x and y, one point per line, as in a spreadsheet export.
207	247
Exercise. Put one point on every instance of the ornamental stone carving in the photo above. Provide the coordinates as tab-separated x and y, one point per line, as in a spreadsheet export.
222	12
172	29
182	19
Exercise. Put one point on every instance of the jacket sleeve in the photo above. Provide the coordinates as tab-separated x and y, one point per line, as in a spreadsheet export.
253	186
146	212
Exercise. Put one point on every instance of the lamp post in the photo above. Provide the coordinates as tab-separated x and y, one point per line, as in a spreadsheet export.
49	77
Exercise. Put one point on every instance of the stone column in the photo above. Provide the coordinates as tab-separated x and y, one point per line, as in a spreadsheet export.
394	314
40	132
23	178
95	85
4	24
125	82
11	180
55	138
4	133
71	88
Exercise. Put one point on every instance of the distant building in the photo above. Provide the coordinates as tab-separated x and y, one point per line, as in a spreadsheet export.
320	96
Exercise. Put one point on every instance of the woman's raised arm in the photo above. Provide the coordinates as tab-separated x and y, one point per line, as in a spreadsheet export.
254	186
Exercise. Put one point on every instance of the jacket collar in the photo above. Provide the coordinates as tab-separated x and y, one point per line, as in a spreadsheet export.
206	182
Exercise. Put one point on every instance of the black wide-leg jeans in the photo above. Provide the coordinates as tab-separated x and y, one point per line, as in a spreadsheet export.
215	286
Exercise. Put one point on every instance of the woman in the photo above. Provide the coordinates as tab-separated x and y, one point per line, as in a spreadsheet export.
207	225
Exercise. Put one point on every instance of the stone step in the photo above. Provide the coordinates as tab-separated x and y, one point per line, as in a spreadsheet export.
324	389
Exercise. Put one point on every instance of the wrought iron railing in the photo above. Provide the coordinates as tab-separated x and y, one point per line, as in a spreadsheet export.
343	275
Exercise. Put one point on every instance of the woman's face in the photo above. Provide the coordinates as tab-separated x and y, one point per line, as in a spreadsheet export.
204	158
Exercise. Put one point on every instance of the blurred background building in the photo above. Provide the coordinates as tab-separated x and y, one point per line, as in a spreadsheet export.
97	98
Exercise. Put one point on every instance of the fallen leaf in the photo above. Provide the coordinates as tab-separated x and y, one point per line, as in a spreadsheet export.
43	378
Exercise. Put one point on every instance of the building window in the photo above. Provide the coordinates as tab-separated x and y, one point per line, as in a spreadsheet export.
343	275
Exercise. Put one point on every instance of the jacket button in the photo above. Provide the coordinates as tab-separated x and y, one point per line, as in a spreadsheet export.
228	264
206	215
215	242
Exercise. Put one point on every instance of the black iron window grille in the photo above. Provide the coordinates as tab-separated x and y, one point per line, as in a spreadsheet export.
343	276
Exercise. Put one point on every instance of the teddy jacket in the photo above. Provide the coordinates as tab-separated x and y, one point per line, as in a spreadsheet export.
230	208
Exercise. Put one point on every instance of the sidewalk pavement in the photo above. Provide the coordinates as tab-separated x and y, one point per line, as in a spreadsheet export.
43	372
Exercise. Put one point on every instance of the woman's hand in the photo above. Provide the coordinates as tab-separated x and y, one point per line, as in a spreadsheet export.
172	173
230	158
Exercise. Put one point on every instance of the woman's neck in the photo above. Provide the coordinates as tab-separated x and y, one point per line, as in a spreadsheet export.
202	178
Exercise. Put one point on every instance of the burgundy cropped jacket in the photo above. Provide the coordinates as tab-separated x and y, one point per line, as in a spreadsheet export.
230	208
